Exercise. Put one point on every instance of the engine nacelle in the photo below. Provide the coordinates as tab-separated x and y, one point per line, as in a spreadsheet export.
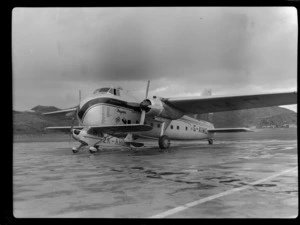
159	108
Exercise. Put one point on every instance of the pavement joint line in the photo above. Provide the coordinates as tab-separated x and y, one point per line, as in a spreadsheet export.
200	201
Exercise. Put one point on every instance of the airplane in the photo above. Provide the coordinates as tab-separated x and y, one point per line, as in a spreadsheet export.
113	117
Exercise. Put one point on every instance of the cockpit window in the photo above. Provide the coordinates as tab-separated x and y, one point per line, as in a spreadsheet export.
101	90
112	91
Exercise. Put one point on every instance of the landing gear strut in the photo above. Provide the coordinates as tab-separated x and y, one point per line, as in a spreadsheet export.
75	150
164	142
210	141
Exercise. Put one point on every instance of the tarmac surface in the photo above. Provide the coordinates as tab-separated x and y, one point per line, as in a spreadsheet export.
234	178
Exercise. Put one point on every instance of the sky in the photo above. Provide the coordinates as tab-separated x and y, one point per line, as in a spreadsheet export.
182	50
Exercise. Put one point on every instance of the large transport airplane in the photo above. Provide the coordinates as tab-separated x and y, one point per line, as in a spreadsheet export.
112	117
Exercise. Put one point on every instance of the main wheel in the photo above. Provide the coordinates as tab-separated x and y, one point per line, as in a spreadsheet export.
75	150
164	142
93	150
210	141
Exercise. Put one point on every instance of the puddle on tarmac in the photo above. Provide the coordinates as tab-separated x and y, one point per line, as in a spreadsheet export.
137	168
264	185
228	181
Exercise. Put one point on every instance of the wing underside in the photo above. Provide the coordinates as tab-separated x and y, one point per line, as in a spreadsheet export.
207	104
229	130
109	129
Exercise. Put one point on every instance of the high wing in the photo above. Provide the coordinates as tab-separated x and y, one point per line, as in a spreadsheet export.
63	111
228	130
126	128
207	104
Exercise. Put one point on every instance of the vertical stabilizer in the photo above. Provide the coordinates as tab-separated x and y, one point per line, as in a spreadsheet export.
207	92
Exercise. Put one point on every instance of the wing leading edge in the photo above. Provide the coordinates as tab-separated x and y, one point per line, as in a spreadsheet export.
63	111
207	104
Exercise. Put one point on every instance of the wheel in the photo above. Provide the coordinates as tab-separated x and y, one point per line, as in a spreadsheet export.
210	141
93	150
164	142
75	150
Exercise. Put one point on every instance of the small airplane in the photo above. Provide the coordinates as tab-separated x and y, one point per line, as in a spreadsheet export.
112	117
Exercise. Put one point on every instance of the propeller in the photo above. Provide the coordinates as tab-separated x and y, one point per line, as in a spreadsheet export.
144	105
73	114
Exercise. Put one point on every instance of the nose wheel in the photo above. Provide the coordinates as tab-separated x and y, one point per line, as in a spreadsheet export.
74	150
93	150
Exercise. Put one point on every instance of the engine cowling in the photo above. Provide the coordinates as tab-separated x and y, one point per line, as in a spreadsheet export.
156	107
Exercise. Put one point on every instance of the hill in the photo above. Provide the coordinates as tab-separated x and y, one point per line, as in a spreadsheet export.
30	123
43	109
259	117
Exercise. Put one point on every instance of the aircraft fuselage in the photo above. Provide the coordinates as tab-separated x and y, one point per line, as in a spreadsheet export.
112	110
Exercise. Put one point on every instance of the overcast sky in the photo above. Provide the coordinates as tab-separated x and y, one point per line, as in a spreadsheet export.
57	51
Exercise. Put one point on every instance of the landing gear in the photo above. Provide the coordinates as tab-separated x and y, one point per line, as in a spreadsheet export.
93	150
76	150
164	142
210	141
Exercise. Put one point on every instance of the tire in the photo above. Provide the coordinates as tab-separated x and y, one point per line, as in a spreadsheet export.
74	151
164	142
210	141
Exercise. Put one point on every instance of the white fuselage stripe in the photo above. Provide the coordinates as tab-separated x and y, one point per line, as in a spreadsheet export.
203	200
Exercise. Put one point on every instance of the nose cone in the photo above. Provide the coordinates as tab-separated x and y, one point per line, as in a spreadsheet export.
94	115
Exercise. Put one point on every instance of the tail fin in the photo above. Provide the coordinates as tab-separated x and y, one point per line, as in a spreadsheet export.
207	92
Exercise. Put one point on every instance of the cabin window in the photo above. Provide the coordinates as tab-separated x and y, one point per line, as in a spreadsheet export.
158	125
186	128
137	122
118	92
171	126
177	127
145	122
129	121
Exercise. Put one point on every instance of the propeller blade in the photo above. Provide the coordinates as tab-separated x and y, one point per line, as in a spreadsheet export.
143	117
143	105
71	130
148	84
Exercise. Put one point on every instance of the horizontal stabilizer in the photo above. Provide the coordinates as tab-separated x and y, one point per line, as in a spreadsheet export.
229	130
